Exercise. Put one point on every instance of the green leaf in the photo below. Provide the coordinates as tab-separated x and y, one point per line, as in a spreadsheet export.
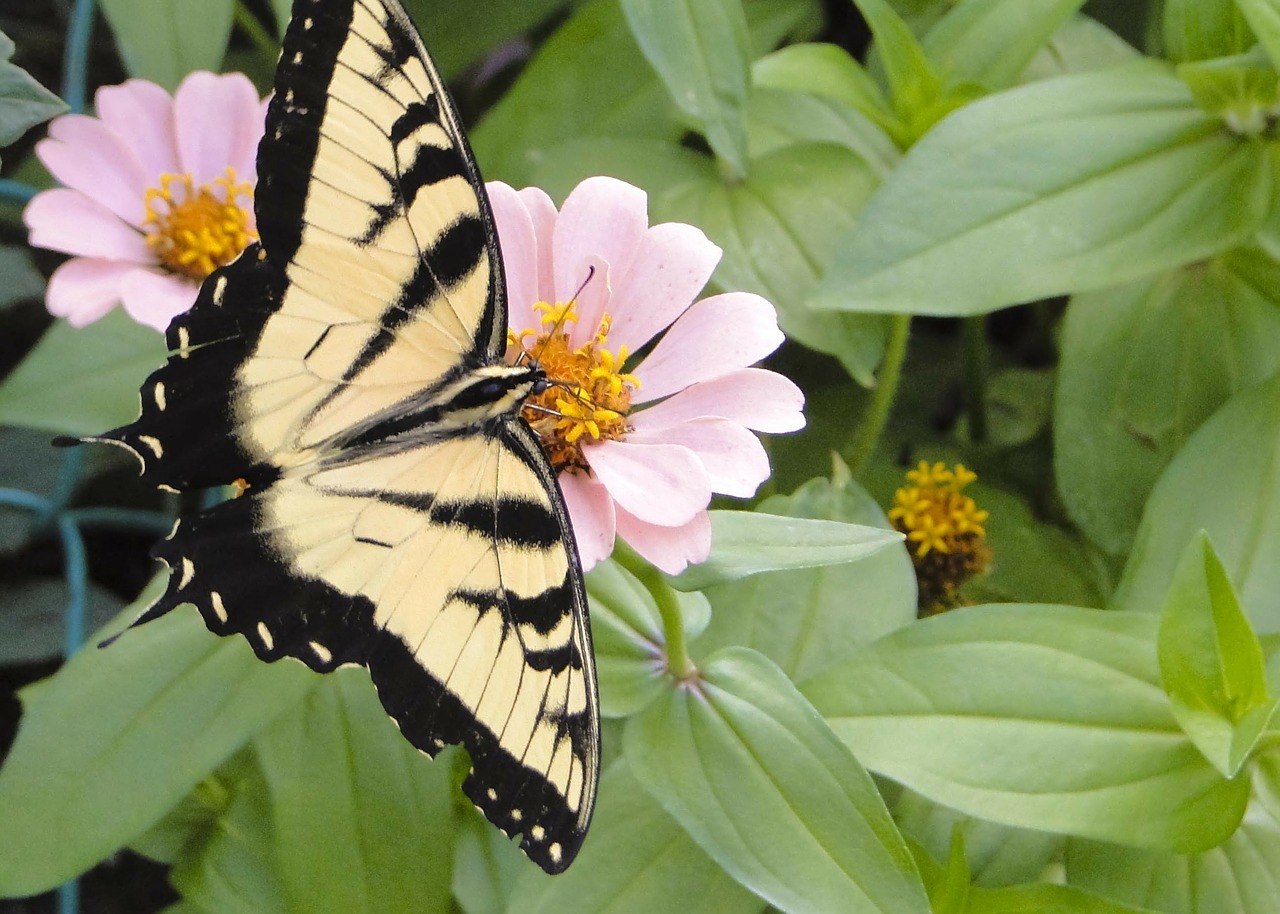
19	279
995	854
1083	182
1045	717
1080	44
81	381
23	101
282	10
802	620
587	80
163	42
826	70
233	871
701	50
914	84
990	42
1265	771
795	203
1241	90
743	763
627	636
486	865
1264	19
1201	29
458	38
1226	480
1239	877
33	617
1142	366
743	543
339	769
1211	662
637	860
1034	561
118	736
778	118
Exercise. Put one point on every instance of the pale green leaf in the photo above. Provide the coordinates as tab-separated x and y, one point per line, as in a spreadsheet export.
1242	876
744	543
1087	744
700	49
778	229
118	736
1264	18
1211	662
1079	45
804	619
361	816
637	860
990	42
1063	185
163	42
743	763
826	70
1226	481
1142	366
23	101
80	381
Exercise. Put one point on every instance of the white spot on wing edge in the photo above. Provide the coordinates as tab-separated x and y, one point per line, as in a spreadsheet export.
517	815
184	343
188	572
320	651
219	608
265	634
554	852
158	392
154	443
537	833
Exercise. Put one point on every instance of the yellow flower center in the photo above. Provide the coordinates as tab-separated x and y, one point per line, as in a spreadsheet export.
945	527
590	395
194	230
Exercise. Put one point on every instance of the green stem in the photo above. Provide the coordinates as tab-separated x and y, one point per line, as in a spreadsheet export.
975	376
882	398
664	595
253	29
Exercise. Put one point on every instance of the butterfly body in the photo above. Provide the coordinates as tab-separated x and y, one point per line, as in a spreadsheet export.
347	374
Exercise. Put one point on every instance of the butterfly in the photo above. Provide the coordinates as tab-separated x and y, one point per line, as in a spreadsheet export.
346	376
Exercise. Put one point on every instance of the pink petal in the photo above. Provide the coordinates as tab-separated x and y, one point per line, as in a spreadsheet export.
84	154
755	397
592	514
154	299
671	264
519	254
662	484
141	114
670	549
83	289
543	216
66	220
712	338
603	217
217	123
735	460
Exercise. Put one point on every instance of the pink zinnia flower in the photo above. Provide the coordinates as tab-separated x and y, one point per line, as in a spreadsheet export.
641	450
159	193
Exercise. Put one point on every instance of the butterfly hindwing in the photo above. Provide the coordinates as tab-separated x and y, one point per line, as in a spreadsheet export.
346	373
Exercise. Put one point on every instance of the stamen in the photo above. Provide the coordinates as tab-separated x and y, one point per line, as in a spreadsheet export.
194	230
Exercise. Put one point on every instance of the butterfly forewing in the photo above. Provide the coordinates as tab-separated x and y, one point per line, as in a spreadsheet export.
380	524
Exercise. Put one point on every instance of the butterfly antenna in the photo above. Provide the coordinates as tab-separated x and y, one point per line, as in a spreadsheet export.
564	315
